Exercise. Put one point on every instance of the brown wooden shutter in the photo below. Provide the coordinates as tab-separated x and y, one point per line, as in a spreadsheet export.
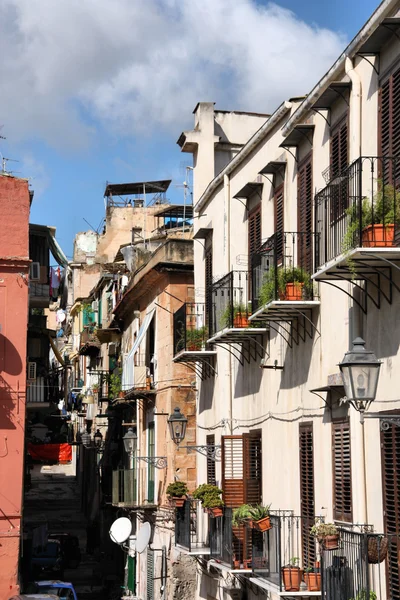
252	467
232	470
254	232
307	500
279	221
389	126
390	449
208	283
339	148
341	461
210	441
304	214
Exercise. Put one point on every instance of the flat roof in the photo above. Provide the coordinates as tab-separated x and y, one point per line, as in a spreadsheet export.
337	89
382	34
141	187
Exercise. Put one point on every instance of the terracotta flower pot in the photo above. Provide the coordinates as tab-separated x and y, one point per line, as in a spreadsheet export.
215	512
240	321
292	577
193	346
378	236
263	524
179	502
294	291
313	581
330	542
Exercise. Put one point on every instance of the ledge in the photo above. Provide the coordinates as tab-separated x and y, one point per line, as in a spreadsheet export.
225	567
194	355
363	262
202	551
273	588
282	310
236	335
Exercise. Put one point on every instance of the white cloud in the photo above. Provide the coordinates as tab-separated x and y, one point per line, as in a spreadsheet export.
135	65
39	179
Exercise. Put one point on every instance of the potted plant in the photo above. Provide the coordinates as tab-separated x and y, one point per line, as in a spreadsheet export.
236	316
327	535
292	575
242	515
261	518
267	291
312	579
177	492
195	338
294	284
210	497
363	595
115	385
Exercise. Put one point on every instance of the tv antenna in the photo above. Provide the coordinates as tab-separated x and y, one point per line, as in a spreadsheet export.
4	161
2	136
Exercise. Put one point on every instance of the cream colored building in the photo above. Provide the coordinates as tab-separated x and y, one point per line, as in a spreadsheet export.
291	207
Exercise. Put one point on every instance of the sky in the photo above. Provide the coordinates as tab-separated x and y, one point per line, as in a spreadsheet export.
96	91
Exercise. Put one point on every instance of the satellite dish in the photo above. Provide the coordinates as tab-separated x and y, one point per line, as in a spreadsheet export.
120	530
143	537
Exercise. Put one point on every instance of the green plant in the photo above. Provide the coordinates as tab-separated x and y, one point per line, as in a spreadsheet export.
267	289
242	514
362	595
196	336
206	489
115	384
231	312
274	286
321	530
294	562
260	512
212	501
177	489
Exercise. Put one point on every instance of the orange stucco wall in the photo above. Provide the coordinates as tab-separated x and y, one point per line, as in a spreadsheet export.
14	269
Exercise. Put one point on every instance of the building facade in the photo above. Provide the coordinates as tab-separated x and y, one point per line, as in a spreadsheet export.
296	256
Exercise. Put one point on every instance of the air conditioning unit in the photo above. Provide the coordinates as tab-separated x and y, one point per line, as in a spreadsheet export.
95	305
34	271
31	371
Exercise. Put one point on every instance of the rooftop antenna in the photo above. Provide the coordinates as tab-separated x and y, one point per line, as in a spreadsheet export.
2	136
4	161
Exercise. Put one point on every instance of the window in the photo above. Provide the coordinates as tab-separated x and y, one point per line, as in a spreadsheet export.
306	452
341	462
339	148
304	214
254	233
210	441
389	125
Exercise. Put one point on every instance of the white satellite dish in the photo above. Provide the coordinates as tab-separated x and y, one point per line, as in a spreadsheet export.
120	530
143	537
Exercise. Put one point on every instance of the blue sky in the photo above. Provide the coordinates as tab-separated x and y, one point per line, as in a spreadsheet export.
106	98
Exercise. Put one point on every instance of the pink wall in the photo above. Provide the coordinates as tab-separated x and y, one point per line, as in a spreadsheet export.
14	269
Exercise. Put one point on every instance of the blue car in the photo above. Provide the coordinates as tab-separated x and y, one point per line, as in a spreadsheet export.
62	589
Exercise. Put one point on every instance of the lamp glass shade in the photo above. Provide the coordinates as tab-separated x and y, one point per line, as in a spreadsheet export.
360	372
98	438
89	398
130	441
86	439
177	423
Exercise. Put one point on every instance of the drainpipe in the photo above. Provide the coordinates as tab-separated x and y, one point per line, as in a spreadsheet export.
356	322
227	202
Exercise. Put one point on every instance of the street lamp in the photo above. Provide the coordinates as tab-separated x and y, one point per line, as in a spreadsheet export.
86	439
130	441
98	439
177	426
360	371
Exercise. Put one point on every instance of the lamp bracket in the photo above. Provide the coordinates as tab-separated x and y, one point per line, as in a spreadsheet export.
210	451
159	462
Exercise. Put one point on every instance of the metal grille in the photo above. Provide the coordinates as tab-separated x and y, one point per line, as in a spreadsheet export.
341	461
345	571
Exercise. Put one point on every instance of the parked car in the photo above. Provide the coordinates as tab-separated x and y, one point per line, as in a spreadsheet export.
49	559
35	597
63	589
70	548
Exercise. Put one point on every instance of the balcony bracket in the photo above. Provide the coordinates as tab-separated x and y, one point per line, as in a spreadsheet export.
159	462
297	314
320	112
201	362
371	63
211	452
242	344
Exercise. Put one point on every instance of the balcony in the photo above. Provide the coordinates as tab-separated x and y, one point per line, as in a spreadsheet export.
282	289
230	546
191	332
89	342
124	487
191	528
288	537
229	301
357	217
138	376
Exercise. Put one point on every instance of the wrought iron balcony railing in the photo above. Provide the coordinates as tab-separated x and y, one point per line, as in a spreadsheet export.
282	269
229	302
289	537
191	330
124	487
360	207
228	544
191	527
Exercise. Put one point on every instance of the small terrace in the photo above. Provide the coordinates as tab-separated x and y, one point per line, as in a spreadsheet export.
229	545
89	342
138	376
357	218
191	332
191	528
282	289
229	301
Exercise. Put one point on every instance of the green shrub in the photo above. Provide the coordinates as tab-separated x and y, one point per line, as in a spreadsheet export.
178	489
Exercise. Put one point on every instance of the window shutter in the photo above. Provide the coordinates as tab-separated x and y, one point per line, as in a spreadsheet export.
232	470
279	220
252	466
341	460
208	283
254	232
150	575
389	125
390	444
339	148
306	452
211	479
304	214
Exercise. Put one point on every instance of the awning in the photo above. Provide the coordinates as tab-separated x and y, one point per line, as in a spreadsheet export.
57	252
299	134
273	167
129	362
137	188
202	233
56	351
380	36
249	189
337	89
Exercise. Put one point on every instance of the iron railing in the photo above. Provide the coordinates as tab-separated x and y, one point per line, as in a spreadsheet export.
229	302
360	207
364	567
191	330
282	269
288	538
228	544
191	526
124	487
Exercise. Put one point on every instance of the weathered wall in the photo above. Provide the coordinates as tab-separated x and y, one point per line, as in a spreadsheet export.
14	269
